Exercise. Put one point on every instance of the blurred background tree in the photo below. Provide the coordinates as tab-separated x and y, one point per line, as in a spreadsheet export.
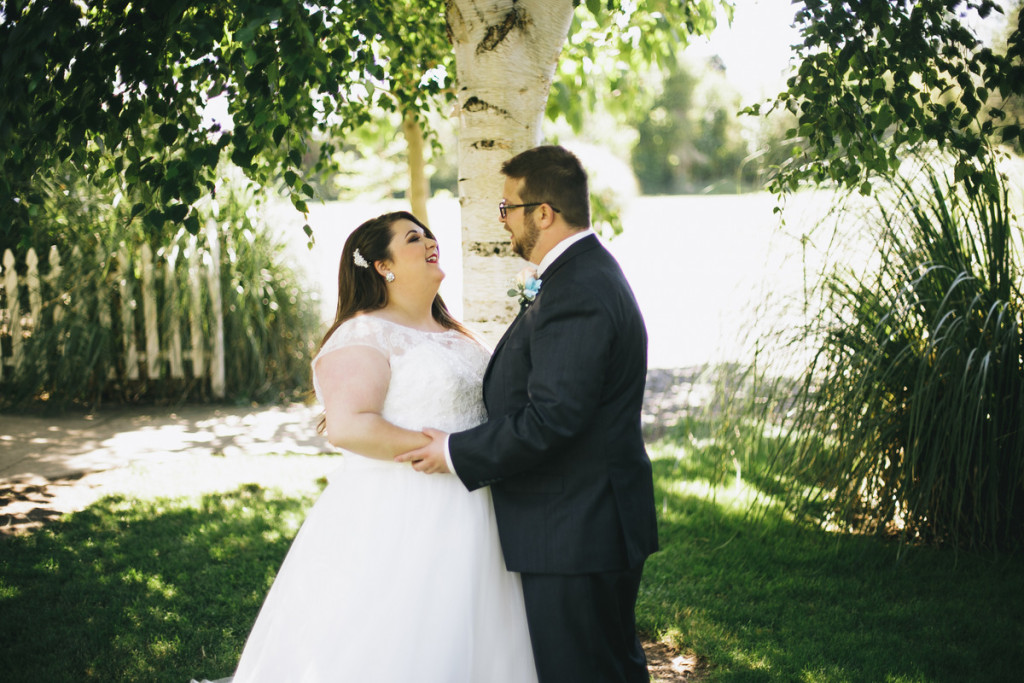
690	140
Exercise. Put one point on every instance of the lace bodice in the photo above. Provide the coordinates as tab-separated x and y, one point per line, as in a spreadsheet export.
436	377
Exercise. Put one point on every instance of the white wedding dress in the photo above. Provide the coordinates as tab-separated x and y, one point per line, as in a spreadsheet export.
397	576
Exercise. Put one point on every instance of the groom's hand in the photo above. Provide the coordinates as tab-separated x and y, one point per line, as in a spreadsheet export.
429	459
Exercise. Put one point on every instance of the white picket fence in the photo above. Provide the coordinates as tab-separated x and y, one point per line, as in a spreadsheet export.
148	285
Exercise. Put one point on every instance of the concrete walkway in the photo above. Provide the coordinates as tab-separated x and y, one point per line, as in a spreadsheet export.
39	449
50	466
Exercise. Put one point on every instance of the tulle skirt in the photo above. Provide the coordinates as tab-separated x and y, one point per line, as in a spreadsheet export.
395	576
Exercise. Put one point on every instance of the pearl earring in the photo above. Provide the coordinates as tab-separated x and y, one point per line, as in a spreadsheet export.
390	277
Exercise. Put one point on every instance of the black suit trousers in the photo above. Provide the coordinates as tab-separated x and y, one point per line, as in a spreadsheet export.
583	627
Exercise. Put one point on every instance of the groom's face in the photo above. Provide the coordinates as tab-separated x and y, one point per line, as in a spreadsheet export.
519	221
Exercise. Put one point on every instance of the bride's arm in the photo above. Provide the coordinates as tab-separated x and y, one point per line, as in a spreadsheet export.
353	384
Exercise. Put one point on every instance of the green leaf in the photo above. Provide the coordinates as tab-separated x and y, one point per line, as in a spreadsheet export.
168	133
154	219
190	193
883	118
176	213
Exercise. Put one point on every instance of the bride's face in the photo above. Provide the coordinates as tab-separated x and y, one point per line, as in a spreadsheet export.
414	254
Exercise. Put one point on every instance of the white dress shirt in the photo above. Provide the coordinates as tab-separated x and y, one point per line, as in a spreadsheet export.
559	249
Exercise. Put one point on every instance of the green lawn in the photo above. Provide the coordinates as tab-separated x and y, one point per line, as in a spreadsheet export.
142	590
163	590
759	600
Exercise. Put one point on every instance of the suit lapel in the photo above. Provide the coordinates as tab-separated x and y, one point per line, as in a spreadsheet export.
584	245
501	342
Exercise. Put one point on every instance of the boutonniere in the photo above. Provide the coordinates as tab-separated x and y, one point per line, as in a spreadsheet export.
525	287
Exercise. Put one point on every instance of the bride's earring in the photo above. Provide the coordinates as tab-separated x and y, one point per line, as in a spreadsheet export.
390	277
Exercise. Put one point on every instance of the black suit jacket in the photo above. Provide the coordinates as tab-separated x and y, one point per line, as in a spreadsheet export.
562	448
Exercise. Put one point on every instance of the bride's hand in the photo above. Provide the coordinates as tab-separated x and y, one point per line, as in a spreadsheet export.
429	459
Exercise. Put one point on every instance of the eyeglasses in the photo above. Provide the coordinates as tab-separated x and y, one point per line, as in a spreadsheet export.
504	208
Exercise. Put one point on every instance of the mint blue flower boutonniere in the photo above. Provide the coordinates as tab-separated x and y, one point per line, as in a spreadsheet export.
525	287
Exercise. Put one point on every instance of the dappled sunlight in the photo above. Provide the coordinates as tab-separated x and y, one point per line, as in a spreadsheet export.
152	583
148	588
732	495
754	594
151	588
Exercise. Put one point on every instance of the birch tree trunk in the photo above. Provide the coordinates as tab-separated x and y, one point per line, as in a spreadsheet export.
505	54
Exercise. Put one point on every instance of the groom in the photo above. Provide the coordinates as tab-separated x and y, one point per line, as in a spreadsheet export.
562	449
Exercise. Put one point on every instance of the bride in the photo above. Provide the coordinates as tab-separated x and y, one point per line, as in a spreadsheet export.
351	602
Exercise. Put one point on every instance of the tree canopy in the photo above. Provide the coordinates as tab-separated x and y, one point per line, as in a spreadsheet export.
875	78
117	89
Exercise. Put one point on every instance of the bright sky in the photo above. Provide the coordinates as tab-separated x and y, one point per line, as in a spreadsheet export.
755	48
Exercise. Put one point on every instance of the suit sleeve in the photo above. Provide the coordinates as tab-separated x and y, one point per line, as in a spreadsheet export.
570	346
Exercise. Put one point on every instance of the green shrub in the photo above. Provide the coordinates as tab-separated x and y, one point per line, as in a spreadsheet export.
75	353
271	323
910	417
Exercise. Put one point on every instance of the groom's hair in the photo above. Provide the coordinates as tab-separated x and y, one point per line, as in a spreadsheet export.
554	176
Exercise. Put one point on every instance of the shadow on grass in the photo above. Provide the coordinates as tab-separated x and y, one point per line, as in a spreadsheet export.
164	590
142	590
760	599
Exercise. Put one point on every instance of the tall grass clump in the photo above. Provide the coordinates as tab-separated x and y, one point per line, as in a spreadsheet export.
271	320
75	353
910	419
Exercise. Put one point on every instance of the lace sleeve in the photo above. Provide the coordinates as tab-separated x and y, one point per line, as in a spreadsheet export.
359	331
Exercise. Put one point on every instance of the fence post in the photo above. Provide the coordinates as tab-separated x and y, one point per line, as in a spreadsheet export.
196	309
102	295
149	313
127	318
217	379
13	307
173	318
53	282
35	297
57	293
3	287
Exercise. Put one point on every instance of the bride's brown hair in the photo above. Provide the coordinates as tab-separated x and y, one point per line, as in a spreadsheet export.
363	289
